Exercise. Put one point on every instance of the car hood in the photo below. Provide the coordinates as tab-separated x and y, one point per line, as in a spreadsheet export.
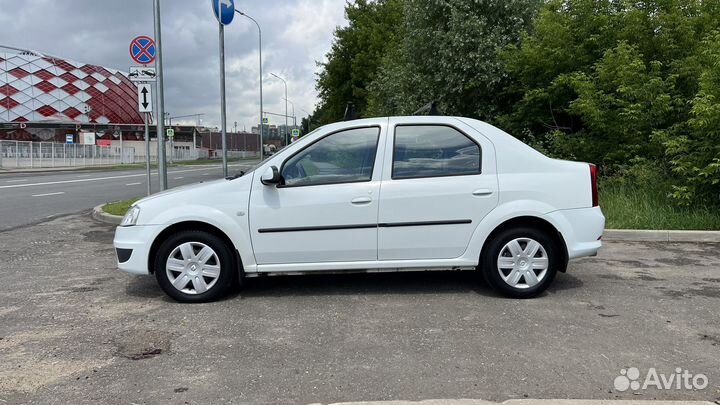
181	189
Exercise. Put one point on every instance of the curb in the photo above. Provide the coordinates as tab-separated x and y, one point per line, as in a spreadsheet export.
645	235
102	216
528	402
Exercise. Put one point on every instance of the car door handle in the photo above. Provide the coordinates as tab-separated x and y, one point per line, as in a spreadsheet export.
361	200
482	192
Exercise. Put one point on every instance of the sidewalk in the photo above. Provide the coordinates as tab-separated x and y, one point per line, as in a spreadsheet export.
528	402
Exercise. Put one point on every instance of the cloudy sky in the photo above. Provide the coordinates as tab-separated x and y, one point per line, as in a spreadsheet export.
296	34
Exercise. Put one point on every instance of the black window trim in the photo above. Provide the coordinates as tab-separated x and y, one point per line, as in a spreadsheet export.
372	169
428	124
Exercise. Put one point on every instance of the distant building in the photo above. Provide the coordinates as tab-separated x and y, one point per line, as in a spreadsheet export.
47	96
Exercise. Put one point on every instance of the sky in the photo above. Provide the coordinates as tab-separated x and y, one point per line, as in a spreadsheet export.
296	35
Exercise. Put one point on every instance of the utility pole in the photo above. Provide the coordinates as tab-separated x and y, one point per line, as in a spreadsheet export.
223	103
262	155
162	168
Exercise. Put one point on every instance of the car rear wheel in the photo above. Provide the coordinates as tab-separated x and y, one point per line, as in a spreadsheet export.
521	262
194	266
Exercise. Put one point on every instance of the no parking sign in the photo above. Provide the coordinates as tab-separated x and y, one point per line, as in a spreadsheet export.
142	49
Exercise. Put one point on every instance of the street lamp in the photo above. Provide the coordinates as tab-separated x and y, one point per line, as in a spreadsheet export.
262	155
293	107
286	111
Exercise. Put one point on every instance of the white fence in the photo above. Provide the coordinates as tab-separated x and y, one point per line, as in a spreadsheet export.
21	154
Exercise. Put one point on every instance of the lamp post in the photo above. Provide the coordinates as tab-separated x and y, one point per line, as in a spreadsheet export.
261	76
293	114
286	111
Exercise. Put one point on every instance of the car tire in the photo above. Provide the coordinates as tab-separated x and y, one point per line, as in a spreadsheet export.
195	266
511	258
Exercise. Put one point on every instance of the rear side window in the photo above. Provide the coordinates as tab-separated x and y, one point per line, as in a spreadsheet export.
433	151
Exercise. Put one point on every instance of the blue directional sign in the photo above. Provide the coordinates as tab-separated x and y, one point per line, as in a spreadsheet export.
224	10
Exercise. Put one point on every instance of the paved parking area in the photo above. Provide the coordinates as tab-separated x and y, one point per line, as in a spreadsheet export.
75	330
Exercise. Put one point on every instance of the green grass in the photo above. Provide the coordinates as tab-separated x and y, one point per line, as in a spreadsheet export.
119	207
647	207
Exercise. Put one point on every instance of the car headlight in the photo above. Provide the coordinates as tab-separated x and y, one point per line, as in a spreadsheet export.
131	217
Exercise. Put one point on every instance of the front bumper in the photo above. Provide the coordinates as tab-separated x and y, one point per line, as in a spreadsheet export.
138	239
581	228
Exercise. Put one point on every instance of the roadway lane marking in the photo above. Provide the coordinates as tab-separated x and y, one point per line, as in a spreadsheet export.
83	175
179	178
47	194
133	184
15	181
96	179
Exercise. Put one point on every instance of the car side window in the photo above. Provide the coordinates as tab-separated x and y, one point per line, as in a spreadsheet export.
343	157
433	151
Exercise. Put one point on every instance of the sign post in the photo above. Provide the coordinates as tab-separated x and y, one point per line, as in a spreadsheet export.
142	50
224	12
170	133
147	151
145	106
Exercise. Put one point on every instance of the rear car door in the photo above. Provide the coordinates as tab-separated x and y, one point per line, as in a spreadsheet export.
439	182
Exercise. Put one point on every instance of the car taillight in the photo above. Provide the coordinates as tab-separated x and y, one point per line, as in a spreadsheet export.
593	185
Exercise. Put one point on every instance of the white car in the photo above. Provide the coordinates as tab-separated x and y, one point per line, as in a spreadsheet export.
382	194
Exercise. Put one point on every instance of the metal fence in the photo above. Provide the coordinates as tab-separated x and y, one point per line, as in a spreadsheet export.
22	154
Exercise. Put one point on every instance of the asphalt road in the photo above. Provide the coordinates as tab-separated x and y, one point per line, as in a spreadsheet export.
74	330
32	197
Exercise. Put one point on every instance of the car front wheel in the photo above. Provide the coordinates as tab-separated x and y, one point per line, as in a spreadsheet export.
194	266
521	262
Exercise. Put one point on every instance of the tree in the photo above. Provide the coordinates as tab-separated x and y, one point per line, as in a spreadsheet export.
617	82
355	55
449	52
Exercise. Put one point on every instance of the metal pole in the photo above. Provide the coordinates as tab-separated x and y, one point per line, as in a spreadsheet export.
222	99
122	155
261	79
162	169
171	139
286	115
147	151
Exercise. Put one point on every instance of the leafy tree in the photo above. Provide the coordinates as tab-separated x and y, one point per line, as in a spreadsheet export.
355	55
449	53
617	82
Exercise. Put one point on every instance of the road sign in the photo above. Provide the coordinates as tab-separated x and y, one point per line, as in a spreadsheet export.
266	120
142	49
295	133
144	98
170	133
69	139
224	10
142	74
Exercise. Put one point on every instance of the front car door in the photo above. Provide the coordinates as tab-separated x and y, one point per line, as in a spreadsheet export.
326	209
440	182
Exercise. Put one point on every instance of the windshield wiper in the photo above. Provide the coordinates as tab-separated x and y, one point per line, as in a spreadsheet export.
233	177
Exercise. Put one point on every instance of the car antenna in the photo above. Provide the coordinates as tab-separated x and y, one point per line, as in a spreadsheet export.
350	113
430	108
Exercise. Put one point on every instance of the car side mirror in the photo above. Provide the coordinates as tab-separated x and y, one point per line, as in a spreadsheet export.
271	176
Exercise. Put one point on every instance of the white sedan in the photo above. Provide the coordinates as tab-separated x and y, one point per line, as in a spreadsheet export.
381	194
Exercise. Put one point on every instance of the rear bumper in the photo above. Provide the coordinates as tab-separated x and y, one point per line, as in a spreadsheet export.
581	228
136	239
